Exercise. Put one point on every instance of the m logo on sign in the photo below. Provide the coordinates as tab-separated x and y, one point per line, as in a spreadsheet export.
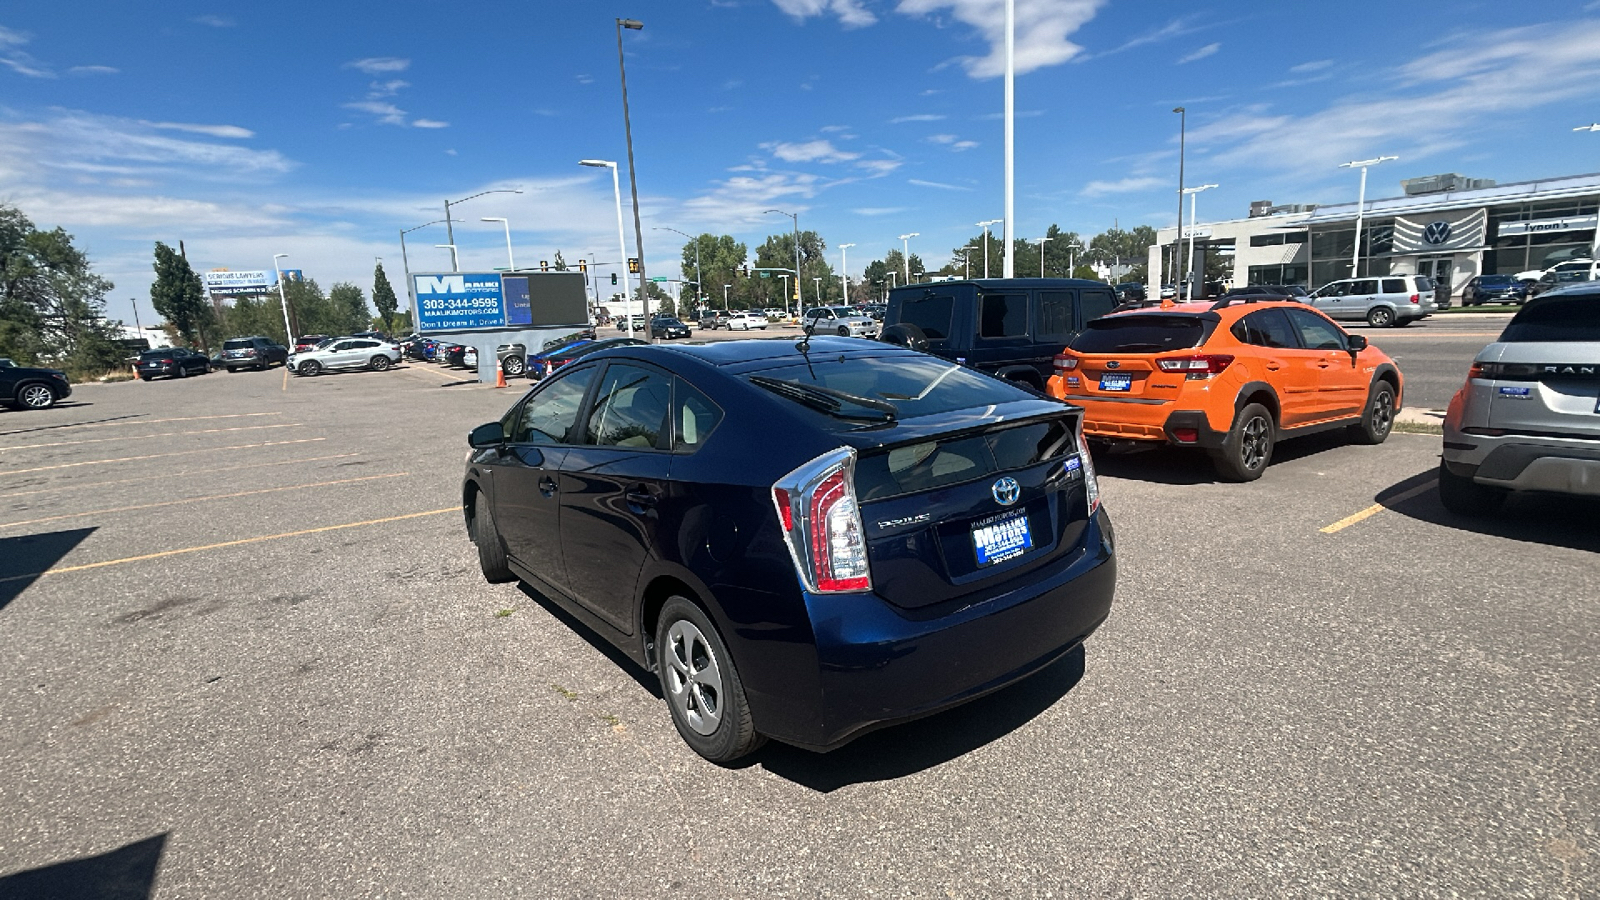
441	284
1436	232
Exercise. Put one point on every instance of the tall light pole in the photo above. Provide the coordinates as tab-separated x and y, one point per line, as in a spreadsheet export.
1594	247
797	298
816	281
985	226
905	253
622	241
633	175
1194	194
1177	239
406	263
455	261
1072	258
511	259
1042	242
1008	266
283	299
1361	205
725	297
844	269
699	291
449	225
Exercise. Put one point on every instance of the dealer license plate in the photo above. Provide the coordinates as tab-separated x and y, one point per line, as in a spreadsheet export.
1116	382
1001	537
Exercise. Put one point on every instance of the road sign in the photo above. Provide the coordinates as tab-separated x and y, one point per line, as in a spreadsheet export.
659	278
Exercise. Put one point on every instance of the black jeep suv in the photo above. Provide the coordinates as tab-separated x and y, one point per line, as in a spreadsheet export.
1008	327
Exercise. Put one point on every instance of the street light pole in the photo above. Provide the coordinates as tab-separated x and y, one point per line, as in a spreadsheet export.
1042	241
633	175
816	281
283	300
622	241
449	225
1008	265
905	254
699	290
455	260
1177	239
844	269
1361	205
725	297
1194	194
1594	248
797	297
511	259
406	263
985	226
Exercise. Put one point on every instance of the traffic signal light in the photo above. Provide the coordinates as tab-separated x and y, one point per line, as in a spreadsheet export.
583	266
633	265
613	278
746	272
544	265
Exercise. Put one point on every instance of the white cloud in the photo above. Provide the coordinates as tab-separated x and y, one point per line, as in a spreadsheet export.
809	151
220	131
387	113
214	21
1315	65
1201	53
919	117
878	167
1043	27
850	13
1121	186
378	65
742	199
17	60
381	89
879	210
833	129
935	184
429	123
941	138
959	146
88	143
1175	28
93	70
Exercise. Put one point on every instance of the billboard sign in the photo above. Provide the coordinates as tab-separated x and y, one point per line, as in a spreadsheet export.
466	301
226	282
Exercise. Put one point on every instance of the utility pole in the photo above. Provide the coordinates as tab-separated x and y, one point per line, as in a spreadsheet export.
633	177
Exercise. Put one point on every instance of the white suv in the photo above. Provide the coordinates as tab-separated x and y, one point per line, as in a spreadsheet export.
1528	418
345	353
840	320
1381	301
744	321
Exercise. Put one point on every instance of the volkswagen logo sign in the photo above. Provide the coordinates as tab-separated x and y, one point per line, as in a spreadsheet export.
1436	232
1113	364
1006	491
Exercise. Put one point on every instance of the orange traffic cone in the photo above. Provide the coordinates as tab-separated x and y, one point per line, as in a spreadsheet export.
499	376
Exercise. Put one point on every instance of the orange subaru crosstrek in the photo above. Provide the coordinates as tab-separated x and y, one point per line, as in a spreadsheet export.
1232	377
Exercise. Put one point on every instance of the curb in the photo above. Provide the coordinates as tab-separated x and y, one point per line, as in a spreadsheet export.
1418	415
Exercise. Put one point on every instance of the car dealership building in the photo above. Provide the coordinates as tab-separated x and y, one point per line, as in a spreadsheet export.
1445	226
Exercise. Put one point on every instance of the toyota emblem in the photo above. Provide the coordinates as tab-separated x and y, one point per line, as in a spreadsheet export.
1006	491
1436	232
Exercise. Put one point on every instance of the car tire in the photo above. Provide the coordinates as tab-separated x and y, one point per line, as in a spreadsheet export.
1247	449
379	363
35	396
182	373
144	377
1465	497
701	685
309	367
1377	420
844	331
1380	317
514	365
491	547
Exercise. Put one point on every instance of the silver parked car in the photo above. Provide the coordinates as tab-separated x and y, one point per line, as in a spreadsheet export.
840	320
1380	302
345	353
1528	418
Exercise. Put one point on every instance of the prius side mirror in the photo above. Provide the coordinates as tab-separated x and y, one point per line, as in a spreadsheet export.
489	434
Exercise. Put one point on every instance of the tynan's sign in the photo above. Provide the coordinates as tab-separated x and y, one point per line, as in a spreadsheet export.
1540	226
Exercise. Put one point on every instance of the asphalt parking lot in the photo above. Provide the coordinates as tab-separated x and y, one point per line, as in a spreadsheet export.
250	654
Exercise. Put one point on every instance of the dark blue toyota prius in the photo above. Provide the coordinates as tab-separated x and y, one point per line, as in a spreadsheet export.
804	541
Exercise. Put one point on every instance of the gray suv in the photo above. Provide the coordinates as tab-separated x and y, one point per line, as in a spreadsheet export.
1380	302
1528	418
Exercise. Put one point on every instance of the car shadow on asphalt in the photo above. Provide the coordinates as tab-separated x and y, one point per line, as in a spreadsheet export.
643	676
1559	520
1166	464
24	558
126	873
73	424
906	749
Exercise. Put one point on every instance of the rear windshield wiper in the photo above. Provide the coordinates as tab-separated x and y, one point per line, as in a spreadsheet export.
828	400
1135	348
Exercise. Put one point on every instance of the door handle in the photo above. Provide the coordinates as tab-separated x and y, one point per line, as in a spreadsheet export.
1274	365
547	486
1324	364
640	497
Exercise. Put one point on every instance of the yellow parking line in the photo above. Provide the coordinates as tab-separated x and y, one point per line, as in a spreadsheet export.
99	462
285	378
254	540
137	437
88	484
424	373
138	421
1376	508
118	509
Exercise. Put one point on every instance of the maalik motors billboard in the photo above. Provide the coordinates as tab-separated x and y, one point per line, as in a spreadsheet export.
464	301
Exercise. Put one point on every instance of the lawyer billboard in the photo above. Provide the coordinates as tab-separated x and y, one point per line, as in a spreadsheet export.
229	282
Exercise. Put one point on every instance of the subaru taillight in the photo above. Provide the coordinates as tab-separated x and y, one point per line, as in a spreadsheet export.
1091	484
1064	362
821	524
1196	367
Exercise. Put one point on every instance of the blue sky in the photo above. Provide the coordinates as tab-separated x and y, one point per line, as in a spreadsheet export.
320	130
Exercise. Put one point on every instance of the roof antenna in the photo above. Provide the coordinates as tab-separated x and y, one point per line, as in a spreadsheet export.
804	346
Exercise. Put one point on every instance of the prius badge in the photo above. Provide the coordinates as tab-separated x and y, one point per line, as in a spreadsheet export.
1006	491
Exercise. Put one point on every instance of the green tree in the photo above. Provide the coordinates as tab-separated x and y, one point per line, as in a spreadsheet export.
347	309
384	299
180	298
720	258
52	305
560	265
